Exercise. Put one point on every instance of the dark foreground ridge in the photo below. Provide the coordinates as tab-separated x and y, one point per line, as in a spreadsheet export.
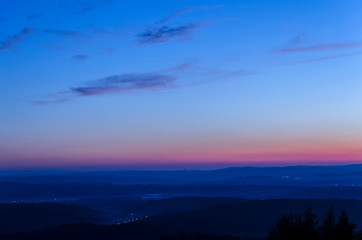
305	226
31	216
247	218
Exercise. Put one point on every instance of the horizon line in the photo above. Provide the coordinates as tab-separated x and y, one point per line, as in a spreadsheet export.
170	167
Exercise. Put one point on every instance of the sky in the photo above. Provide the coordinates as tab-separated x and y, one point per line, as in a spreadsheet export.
132	83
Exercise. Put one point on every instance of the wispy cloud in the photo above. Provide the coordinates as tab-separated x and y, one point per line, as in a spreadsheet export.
321	47
122	83
326	58
44	102
188	10
11	41
166	79
125	82
298	44
165	33
67	33
82	6
297	41
182	67
165	30
80	57
178	13
85	34
85	6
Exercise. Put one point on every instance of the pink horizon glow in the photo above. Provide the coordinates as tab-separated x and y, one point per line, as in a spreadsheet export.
270	153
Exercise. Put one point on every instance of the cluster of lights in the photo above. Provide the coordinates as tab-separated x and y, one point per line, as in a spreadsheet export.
133	219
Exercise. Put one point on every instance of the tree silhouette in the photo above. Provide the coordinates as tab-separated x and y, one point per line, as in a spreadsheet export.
345	229
309	225
305	227
285	228
328	229
296	227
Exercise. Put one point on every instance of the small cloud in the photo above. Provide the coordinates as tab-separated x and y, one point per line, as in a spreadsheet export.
125	83
165	33
187	10
79	7
178	13
298	40
88	33
326	58
44	102
66	33
183	67
241	73
112	84
321	47
12	40
80	57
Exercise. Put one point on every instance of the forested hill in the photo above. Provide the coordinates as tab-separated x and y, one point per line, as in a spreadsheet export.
244	218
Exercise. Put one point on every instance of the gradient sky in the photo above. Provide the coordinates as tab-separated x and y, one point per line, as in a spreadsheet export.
146	83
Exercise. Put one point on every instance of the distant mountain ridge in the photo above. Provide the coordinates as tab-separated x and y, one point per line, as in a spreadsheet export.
292	175
22	192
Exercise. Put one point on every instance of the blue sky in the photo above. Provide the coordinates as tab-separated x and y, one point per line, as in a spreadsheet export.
128	83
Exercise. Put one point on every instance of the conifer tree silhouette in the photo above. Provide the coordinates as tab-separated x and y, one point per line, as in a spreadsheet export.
345	229
328	229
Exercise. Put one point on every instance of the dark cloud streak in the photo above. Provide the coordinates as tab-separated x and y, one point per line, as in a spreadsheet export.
165	79
164	30
165	33
113	84
124	83
80	57
11	41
